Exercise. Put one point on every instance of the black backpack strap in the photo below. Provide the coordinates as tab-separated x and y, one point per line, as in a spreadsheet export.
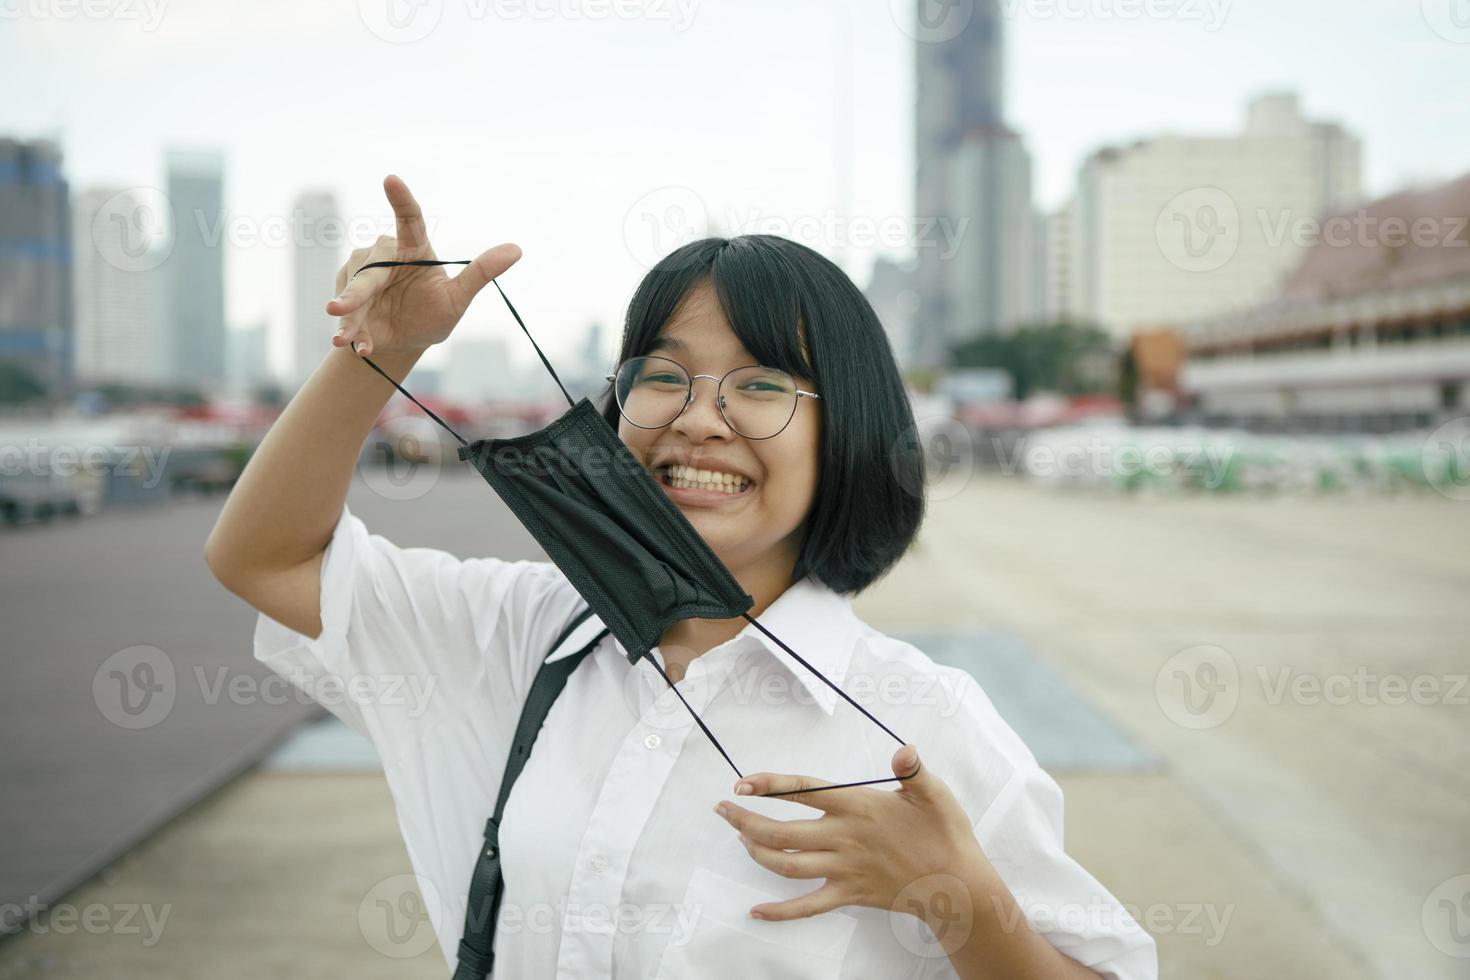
476	956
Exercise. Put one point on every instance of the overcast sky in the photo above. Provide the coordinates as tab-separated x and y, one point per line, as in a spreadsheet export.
595	133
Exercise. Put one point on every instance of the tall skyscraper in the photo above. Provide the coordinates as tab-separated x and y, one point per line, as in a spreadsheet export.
118	292
317	255
195	268
973	178
1176	228
35	261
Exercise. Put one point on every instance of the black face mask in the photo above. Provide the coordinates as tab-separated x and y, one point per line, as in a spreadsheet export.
611	530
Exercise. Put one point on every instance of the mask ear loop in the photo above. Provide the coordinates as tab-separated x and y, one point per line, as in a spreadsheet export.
550	370
748	618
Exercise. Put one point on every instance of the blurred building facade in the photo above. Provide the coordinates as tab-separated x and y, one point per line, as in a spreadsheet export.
1371	331
973	175
247	360
1179	227
892	294
194	271
118	298
317	255
36	316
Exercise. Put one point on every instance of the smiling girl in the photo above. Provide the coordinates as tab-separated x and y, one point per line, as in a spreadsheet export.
756	387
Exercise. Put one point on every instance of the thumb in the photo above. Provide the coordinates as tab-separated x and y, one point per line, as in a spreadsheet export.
906	765
486	266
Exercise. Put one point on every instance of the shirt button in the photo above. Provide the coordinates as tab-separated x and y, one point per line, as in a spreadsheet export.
599	864
652	741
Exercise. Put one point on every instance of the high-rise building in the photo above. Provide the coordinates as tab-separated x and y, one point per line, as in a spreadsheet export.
1059	252
35	261
317	256
973	179
246	360
894	299
194	270
118	292
1180	227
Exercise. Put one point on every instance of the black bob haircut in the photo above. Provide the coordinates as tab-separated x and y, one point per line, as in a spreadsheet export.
777	294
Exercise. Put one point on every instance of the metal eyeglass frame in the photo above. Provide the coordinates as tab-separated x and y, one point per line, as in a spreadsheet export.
720	399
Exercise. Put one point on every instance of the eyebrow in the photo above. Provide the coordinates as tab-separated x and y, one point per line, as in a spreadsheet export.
667	343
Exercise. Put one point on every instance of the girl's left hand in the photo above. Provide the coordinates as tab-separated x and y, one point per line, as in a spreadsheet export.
882	849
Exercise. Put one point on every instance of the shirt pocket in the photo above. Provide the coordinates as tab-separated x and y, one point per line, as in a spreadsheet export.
723	940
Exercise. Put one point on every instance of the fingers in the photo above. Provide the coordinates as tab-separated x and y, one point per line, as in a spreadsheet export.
824	899
809	835
406	212
486	266
795	789
793	864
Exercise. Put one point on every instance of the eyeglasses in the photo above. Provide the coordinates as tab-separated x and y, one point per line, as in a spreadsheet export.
756	401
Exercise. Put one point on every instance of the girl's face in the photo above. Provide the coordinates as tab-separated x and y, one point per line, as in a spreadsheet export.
762	525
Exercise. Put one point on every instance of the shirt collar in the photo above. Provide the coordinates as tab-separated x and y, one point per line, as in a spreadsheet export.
809	617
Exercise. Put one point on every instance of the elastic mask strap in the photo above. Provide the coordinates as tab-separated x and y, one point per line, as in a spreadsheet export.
801	660
550	370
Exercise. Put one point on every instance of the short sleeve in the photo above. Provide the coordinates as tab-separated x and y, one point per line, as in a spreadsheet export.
413	637
1021	834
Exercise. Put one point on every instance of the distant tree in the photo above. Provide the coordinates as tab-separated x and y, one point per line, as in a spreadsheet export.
1068	358
18	383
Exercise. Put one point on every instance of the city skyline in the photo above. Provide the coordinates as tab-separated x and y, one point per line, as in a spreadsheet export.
532	176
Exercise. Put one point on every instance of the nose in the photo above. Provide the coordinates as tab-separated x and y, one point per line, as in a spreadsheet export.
702	418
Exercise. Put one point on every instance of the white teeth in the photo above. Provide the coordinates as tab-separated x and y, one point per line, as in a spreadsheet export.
685	477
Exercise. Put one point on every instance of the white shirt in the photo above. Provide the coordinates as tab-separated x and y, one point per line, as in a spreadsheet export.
614	862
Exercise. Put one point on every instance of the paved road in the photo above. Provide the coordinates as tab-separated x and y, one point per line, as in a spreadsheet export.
1285	834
